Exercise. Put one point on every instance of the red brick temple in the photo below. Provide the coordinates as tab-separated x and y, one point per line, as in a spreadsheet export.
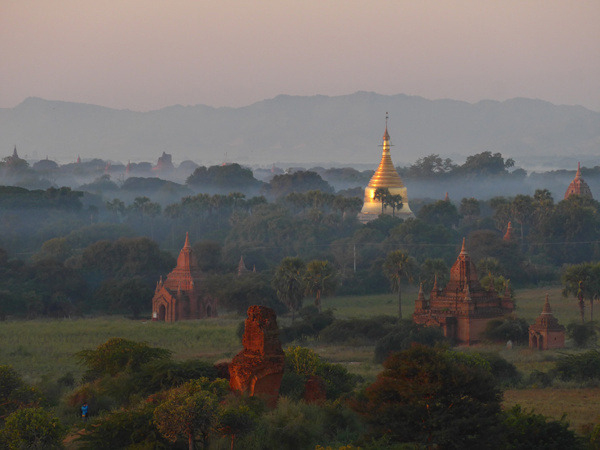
578	186
463	308
179	296
546	333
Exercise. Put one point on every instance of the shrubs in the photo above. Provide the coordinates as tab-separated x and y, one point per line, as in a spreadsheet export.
302	363
312	323
581	333
511	329
403	335
527	430
580	367
352	330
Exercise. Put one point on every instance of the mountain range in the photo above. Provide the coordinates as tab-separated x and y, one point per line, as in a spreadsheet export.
307	130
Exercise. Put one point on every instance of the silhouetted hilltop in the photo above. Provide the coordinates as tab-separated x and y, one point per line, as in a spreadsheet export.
345	130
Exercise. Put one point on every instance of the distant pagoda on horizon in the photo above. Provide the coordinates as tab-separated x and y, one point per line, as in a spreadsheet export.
385	177
578	186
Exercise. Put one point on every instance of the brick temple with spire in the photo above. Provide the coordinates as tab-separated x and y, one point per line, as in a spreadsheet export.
385	177
578	186
463	307
179	296
546	333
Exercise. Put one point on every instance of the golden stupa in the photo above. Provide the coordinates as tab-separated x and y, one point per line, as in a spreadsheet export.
385	177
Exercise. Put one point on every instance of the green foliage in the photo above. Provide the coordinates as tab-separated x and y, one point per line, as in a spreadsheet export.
439	213
583	282
320	280
527	430
582	333
237	293
399	266
163	374
15	393
510	329
224	178
300	181
124	428
403	336
425	397
311	324
366	331
579	367
32	428
190	410
288	282
505	373
118	355
303	363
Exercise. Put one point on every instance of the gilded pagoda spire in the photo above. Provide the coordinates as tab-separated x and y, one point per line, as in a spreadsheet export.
385	177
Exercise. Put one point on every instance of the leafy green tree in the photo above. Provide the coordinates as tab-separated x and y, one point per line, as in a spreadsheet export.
32	428
288	283
14	393
236	420
300	181
430	166
486	163
428	397
522	209
320	280
432	269
117	355
190	410
397	267
123	428
439	213
469	207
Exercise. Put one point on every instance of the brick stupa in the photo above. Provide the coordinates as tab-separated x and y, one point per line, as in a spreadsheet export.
546	333
463	308
258	369
179	296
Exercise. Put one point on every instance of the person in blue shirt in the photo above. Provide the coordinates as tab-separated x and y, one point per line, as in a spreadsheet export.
84	411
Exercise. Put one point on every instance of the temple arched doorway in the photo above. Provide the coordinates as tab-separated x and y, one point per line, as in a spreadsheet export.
162	313
208	311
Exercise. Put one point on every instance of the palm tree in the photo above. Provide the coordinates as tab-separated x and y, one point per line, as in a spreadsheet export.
395	202
397	266
583	281
319	280
382	195
288	283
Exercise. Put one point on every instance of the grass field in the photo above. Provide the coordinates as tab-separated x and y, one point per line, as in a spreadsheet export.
581	406
44	350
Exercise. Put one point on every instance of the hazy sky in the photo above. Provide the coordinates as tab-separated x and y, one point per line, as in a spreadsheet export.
147	54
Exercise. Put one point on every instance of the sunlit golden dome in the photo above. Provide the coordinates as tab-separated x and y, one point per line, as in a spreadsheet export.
386	176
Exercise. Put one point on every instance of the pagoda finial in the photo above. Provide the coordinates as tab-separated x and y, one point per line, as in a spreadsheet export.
547	309
187	240
435	286
386	136
16	156
446	198
463	250
578	174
